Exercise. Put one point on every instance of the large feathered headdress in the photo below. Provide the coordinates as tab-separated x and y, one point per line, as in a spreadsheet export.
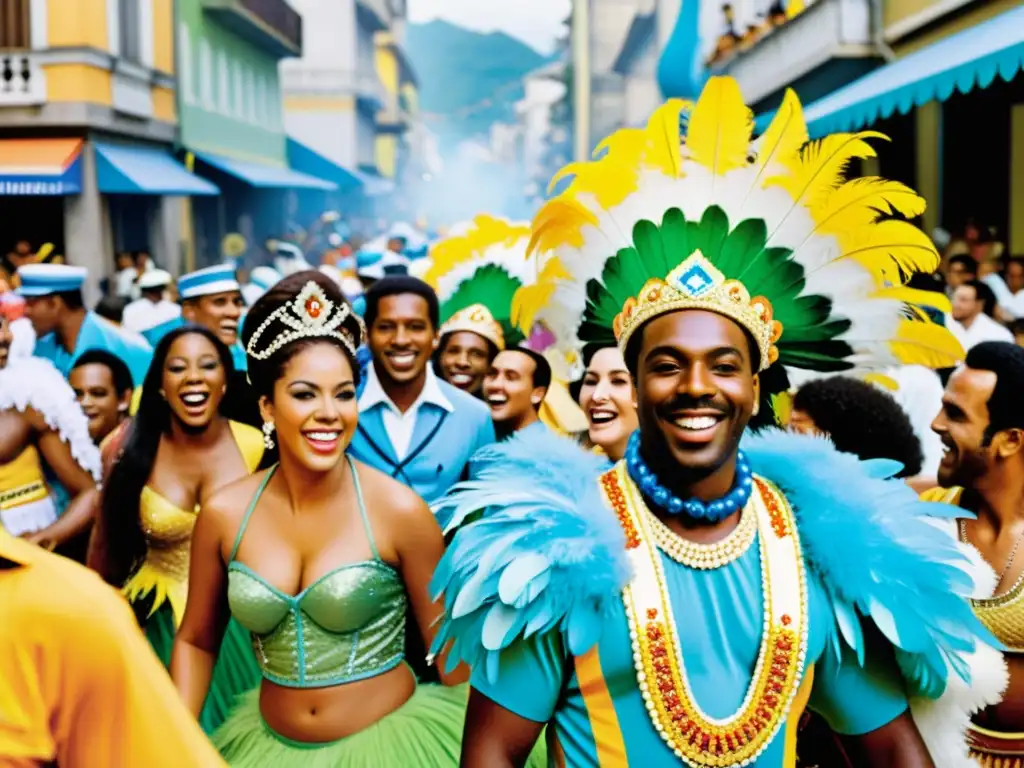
769	232
476	273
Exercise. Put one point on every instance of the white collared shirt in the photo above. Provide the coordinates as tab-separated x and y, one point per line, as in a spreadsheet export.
398	425
143	314
984	328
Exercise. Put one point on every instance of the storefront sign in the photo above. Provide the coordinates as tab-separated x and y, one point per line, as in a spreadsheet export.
29	187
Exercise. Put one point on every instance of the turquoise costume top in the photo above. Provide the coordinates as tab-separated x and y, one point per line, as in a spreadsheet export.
535	600
443	439
347	625
98	333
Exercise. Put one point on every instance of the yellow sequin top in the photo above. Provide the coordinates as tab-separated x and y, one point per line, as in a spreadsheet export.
22	480
1003	614
168	530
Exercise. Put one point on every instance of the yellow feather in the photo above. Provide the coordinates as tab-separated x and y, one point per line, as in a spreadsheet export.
926	344
718	135
890	245
624	138
886	382
559	222
530	299
823	165
859	202
902	293
785	137
484	232
662	138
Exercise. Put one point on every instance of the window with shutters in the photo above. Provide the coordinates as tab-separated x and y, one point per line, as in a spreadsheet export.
14	24
129	30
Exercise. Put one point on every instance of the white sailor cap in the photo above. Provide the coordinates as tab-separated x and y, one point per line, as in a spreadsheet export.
206	282
264	277
47	279
154	278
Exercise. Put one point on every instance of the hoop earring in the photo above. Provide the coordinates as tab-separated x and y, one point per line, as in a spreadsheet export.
268	432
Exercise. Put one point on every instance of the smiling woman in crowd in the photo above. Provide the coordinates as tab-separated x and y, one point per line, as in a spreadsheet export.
608	399
177	451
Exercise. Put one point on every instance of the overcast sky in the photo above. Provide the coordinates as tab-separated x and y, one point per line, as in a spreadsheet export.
535	22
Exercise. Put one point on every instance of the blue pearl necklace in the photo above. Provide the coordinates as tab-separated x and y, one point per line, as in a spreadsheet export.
711	512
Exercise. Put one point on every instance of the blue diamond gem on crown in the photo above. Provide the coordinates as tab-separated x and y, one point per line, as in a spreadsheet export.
695	276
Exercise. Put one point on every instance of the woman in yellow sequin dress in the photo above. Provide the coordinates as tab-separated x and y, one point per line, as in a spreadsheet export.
173	456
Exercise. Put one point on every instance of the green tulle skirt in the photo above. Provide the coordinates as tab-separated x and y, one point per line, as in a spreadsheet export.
234	674
425	732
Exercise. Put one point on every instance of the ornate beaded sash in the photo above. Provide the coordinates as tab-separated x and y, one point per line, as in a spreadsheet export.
696	738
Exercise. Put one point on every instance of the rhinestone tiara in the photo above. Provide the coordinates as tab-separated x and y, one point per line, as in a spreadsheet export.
309	315
477	319
697	284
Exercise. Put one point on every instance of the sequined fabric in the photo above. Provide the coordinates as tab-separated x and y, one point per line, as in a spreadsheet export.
348	625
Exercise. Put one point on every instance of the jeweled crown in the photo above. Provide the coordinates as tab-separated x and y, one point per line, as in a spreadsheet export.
697	284
309	315
477	319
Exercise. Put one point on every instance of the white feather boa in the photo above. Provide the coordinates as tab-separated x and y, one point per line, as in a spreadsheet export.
31	382
943	722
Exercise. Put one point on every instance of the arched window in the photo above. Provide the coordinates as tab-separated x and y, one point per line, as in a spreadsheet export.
206	75
186	81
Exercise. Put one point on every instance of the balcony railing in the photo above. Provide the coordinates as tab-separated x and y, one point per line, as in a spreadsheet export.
22	80
271	24
326	81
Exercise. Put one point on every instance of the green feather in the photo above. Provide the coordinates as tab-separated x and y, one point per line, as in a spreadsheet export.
490	285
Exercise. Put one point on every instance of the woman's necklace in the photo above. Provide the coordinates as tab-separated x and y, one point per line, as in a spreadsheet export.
711	512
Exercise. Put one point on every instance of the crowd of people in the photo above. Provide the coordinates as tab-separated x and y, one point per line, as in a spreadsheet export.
700	467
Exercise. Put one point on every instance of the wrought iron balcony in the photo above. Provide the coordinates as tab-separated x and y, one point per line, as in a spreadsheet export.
22	80
271	24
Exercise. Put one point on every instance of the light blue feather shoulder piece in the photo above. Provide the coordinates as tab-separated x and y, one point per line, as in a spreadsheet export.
880	553
547	552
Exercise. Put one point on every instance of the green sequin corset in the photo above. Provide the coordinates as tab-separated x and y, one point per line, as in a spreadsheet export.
347	625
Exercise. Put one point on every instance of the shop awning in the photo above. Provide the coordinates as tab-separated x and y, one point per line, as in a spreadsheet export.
40	167
374	186
312	163
961	62
130	169
265	176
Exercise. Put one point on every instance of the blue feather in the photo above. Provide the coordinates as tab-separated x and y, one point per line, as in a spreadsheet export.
548	553
895	566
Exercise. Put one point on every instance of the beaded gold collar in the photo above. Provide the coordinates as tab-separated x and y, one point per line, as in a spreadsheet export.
697	739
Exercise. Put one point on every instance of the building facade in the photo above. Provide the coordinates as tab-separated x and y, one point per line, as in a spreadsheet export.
88	121
232	125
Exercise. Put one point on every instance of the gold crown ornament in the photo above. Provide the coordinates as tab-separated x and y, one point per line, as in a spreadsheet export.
309	315
477	319
697	284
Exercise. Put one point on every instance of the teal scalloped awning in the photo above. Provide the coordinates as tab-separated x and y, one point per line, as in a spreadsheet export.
961	62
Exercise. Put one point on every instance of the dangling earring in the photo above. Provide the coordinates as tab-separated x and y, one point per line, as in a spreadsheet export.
268	432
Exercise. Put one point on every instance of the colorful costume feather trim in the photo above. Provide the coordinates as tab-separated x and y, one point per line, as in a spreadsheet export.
549	553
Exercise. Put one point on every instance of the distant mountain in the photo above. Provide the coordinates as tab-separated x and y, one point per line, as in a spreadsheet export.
467	79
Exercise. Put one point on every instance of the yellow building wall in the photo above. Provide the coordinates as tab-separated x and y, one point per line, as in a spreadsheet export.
319	104
78	82
387	68
77	23
386	155
164	105
163	36
972	18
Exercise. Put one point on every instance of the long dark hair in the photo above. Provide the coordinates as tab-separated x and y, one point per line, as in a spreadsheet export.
124	544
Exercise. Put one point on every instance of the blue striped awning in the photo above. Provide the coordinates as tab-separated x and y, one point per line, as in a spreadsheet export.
961	62
131	169
265	176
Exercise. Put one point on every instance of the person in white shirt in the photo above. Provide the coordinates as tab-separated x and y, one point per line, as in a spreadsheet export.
971	321
153	308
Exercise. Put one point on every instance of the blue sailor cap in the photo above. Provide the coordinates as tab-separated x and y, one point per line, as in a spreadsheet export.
206	282
47	279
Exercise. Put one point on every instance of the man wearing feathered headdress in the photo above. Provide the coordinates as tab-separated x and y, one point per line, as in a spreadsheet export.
685	606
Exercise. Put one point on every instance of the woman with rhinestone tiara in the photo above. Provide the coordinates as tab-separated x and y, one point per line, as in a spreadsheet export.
685	606
177	450
319	557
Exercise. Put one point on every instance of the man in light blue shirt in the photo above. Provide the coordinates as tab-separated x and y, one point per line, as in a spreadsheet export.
212	298
65	328
412	425
514	387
